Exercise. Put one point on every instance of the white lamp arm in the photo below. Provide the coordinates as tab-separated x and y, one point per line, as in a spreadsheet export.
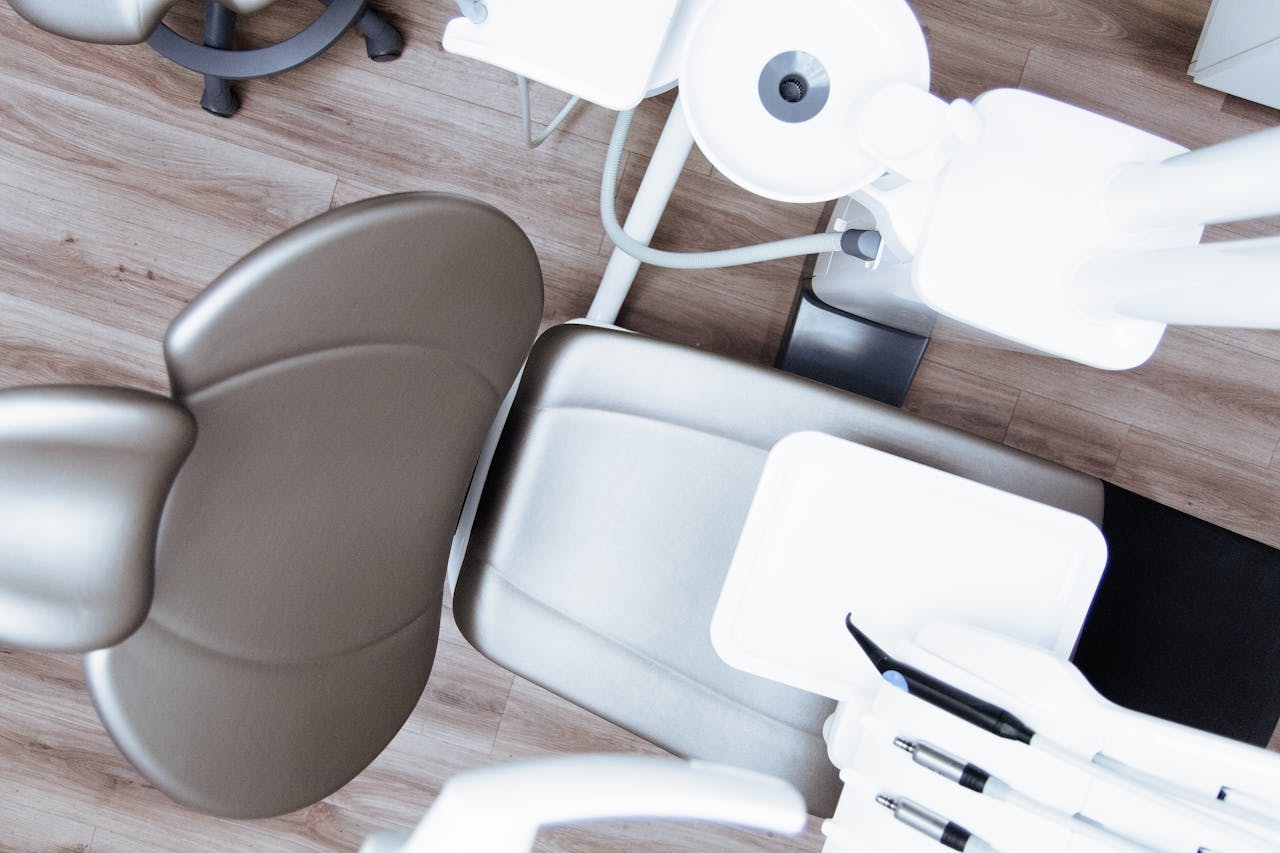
912	132
499	809
1233	180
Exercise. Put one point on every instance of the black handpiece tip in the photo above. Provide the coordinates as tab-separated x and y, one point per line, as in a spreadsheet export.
879	659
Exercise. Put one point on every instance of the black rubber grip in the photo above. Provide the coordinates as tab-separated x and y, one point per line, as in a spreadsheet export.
974	778
954	836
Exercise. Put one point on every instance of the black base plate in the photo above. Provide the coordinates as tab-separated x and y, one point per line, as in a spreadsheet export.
848	351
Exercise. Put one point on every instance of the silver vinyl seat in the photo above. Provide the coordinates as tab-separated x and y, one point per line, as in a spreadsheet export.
610	516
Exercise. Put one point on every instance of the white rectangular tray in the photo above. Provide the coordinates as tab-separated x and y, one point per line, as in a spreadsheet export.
836	527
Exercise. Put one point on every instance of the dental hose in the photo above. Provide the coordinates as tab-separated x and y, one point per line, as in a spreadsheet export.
807	245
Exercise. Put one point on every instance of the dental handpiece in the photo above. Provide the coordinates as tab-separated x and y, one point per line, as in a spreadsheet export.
1241	825
935	691
976	779
945	832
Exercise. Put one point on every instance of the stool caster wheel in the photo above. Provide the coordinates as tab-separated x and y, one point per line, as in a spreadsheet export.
385	46
219	98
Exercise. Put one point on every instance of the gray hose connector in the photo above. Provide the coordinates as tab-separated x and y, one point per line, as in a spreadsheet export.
807	245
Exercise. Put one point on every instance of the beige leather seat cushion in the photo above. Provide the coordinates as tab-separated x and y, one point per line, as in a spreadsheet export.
619	489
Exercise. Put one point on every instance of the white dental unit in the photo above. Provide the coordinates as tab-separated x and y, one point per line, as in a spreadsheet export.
1058	229
991	603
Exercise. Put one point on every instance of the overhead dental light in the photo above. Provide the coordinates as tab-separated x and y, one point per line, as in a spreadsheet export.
1040	222
771	92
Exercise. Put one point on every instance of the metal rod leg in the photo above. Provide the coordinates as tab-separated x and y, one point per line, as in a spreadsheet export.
219	32
642	220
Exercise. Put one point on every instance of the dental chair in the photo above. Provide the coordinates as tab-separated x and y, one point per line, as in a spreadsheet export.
133	21
255	565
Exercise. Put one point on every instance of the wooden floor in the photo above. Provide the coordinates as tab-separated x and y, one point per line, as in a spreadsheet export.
120	199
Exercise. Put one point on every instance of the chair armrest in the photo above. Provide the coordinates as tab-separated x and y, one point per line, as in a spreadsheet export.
84	474
499	809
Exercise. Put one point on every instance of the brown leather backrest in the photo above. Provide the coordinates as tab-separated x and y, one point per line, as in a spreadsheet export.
343	377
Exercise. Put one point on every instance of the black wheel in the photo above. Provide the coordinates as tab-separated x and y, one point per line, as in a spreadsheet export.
384	47
220	100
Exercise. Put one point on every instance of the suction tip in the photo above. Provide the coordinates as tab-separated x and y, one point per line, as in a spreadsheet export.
888	802
904	745
879	659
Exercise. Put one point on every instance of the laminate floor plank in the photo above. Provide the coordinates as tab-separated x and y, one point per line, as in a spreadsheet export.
157	178
1192	390
495	88
1155	35
538	722
53	758
425	63
1260	113
466	694
101	268
739	311
324	116
1240	497
966	62
962	400
708	213
1172	107
1073	437
1263	342
670	837
42	345
696	312
31	829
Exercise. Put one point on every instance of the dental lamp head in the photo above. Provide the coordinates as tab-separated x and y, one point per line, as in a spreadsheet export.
772	93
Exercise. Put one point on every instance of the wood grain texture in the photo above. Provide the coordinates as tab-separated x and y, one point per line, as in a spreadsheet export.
40	344
966	62
1067	435
55	144
1193	390
739	311
33	829
1238	496
962	400
120	199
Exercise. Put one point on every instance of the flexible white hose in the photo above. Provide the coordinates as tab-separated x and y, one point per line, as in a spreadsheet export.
807	245
1205	810
1219	807
1072	823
